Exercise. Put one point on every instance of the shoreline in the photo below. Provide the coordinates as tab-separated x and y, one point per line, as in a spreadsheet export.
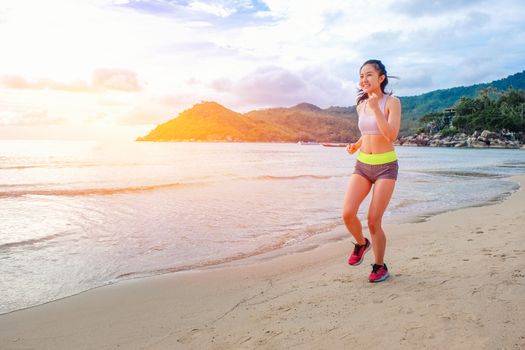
307	244
320	143
462	287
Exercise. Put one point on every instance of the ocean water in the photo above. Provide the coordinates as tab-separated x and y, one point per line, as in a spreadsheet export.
75	215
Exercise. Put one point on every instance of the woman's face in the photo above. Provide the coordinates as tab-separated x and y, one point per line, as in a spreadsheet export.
369	78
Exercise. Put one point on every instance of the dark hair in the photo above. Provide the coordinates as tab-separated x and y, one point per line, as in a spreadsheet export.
380	68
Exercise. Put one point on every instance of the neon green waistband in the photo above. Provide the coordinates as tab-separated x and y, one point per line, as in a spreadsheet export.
376	159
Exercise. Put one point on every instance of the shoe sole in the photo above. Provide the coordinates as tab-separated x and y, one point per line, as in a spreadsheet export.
381	279
363	256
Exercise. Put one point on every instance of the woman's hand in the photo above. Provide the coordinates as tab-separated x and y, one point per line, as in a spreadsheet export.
352	147
373	102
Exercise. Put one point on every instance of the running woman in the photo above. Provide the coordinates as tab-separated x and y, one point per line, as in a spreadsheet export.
376	165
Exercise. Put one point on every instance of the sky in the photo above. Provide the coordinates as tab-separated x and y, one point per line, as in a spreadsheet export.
113	69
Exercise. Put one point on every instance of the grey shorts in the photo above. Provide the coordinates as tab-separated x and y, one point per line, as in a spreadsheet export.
375	172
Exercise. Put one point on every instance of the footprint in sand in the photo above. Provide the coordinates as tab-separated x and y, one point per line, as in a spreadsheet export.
406	311
393	296
503	257
242	341
344	279
187	337
487	251
285	308
268	335
518	274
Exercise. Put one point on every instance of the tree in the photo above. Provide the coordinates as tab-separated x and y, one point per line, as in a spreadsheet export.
492	110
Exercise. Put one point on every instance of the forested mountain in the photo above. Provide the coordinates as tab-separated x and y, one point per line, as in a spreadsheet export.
414	107
210	121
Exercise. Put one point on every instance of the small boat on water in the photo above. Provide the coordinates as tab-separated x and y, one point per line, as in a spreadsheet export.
307	143
334	144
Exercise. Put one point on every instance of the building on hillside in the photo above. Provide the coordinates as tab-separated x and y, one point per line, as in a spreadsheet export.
448	116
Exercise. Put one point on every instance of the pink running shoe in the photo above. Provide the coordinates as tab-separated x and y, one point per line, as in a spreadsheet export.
379	273
359	252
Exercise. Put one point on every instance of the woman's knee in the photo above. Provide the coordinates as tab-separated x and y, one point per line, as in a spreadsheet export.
374	223
349	215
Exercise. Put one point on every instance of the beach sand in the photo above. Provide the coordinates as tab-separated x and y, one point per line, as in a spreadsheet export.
458	282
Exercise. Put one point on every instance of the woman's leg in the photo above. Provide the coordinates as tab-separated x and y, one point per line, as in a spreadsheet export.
383	189
358	188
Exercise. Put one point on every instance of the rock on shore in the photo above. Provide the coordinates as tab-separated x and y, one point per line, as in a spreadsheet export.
484	139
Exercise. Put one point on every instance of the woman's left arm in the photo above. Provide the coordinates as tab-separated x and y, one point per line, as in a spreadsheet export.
389	127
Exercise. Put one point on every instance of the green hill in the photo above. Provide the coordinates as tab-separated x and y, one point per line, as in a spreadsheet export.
308	122
209	121
414	107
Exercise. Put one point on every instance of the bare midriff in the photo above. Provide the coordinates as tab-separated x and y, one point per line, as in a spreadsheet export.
374	144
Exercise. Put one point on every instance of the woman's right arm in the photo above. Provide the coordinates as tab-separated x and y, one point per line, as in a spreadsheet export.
353	147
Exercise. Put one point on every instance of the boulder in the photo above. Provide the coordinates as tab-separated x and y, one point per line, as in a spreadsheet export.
484	139
478	144
489	135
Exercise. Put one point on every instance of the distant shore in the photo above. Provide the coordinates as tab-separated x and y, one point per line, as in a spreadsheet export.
485	139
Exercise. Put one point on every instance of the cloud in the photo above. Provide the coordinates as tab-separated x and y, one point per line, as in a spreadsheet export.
195	48
274	86
149	6
475	20
270	86
431	7
28	118
146	114
222	85
19	82
109	79
413	81
154	110
16	82
4	13
452	49
477	69
116	79
214	11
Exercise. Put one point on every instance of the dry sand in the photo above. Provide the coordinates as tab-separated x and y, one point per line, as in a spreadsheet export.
457	283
